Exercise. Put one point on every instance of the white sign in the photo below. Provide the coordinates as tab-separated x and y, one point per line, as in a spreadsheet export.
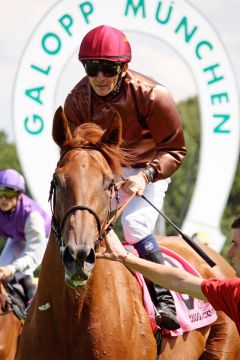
52	52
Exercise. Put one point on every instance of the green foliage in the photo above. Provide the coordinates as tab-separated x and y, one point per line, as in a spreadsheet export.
180	190
118	229
8	154
232	210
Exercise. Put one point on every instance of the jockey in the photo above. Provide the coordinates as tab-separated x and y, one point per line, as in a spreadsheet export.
26	227
152	134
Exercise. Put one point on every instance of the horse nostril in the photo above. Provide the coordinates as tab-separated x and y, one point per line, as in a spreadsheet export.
68	259
91	257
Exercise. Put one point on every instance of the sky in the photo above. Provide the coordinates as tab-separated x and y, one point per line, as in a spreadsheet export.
16	29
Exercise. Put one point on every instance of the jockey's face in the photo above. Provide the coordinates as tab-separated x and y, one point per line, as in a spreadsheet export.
8	203
103	85
234	251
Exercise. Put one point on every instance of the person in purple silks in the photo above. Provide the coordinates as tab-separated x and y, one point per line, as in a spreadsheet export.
26	226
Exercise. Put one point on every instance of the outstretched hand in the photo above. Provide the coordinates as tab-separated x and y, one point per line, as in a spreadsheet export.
114	249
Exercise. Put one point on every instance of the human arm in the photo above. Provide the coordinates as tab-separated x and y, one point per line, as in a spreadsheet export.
162	120
166	129
167	277
35	244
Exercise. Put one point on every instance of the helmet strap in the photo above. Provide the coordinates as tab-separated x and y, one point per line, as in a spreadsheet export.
116	90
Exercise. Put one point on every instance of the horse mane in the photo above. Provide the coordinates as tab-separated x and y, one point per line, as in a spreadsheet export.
88	136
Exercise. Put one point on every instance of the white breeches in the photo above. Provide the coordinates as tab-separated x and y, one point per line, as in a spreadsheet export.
139	217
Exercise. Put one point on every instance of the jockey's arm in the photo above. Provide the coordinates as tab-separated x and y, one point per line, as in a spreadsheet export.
35	244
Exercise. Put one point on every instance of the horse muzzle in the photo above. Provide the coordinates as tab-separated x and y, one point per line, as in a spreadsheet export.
78	266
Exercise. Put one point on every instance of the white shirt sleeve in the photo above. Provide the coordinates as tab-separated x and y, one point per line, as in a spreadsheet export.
36	242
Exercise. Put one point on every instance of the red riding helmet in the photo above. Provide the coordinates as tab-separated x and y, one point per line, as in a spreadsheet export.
105	43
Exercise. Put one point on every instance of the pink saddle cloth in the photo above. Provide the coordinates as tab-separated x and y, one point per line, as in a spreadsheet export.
192	313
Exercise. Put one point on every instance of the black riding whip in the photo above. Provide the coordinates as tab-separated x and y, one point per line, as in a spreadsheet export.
190	242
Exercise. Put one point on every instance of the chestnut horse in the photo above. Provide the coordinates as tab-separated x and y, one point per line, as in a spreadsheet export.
10	327
92	310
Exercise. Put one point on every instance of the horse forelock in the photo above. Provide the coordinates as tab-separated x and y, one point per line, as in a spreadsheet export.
88	136
88	132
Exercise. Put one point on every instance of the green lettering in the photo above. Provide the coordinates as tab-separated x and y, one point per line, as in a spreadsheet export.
218	129
212	70
44	71
51	43
200	45
86	9
188	35
166	20
35	94
222	97
35	125
135	8
66	22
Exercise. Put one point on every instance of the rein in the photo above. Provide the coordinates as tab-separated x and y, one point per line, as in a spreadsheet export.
112	221
57	226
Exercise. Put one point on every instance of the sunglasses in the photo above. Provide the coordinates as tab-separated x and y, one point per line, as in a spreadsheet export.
108	70
8	193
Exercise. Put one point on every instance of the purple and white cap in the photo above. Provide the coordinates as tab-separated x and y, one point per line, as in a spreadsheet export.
10	178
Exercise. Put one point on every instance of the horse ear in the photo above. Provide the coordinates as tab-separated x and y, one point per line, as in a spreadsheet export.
113	134
60	129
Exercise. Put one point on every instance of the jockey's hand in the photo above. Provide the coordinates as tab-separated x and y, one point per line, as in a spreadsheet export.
114	248
5	272
135	184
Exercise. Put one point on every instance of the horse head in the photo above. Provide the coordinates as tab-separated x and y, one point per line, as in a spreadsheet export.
81	190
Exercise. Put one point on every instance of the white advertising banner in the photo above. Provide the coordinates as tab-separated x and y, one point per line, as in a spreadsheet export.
49	69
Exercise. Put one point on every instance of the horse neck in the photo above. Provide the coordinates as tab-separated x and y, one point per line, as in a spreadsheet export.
109	280
112	291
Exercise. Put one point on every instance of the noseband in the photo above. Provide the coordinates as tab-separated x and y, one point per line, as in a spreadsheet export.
57	226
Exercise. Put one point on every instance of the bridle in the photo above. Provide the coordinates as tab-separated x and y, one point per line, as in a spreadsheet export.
102	227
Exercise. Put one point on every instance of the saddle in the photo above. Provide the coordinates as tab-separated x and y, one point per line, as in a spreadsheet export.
15	299
192	313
